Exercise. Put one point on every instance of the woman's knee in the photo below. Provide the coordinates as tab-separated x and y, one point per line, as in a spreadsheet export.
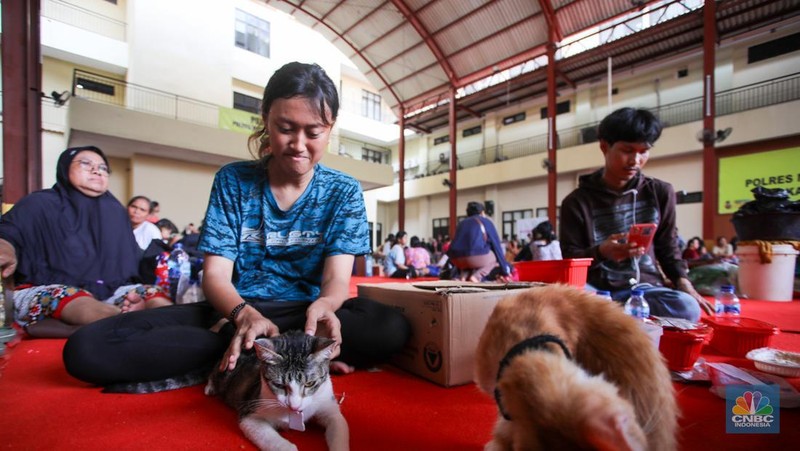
80	354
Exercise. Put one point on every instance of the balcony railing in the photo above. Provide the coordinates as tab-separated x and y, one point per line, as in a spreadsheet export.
757	95
111	91
84	18
140	98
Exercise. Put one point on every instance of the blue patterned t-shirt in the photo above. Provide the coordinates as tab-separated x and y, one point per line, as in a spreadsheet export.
279	255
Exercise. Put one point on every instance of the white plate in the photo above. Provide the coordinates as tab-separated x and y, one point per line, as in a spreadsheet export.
776	361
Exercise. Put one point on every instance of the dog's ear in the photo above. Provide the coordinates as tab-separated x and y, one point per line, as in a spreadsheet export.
616	432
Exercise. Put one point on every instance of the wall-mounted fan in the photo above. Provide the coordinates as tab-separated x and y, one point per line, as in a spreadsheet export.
710	136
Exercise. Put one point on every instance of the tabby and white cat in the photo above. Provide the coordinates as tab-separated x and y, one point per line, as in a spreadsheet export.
282	384
570	370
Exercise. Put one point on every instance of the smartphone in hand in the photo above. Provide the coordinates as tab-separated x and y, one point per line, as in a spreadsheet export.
642	235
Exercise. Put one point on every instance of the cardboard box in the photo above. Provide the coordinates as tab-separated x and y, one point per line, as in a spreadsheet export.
447	319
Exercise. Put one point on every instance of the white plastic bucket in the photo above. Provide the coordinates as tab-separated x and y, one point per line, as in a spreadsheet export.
767	281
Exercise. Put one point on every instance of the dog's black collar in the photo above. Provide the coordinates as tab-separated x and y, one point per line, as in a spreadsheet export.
537	342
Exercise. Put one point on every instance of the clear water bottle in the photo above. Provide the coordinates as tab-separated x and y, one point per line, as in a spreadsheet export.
726	302
604	294
636	306
2	305
180	272
193	294
368	263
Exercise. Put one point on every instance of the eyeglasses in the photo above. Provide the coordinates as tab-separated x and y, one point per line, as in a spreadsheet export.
88	166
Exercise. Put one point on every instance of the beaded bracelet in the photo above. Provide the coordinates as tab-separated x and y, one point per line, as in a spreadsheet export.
236	311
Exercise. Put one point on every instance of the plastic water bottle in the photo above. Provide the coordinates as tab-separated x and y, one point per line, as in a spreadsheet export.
2	305
369	262
726	302
193	294
636	306
180	272
604	294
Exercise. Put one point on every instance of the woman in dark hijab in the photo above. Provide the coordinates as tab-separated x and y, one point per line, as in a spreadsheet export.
69	248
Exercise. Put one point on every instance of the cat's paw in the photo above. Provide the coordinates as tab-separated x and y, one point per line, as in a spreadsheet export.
209	389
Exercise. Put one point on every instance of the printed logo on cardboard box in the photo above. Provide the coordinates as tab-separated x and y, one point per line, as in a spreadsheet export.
433	357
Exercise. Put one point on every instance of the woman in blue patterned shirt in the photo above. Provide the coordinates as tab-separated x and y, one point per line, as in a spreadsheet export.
280	237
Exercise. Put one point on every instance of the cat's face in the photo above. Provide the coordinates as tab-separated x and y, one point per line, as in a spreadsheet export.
294	367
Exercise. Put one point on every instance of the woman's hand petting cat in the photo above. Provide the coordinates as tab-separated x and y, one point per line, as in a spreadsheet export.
321	320
250	324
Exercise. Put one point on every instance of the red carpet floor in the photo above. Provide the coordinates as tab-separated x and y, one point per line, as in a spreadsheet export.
43	408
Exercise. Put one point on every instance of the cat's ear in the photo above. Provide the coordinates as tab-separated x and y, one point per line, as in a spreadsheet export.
615	432
323	349
265	350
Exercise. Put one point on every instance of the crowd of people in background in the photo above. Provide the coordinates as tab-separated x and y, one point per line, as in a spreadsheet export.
696	252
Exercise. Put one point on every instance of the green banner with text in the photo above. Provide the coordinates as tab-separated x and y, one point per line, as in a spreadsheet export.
238	120
773	169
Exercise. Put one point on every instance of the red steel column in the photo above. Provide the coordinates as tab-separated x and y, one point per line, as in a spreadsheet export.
453	164
401	149
22	107
710	166
552	135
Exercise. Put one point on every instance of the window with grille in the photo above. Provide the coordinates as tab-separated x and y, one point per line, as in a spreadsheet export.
561	108
471	131
378	234
510	222
441	227
370	105
252	33
375	156
246	103
441	140
508	120
96	86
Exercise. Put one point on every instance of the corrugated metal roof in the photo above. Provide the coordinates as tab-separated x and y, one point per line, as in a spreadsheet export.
415	51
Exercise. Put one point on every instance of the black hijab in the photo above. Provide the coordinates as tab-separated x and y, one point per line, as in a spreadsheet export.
64	237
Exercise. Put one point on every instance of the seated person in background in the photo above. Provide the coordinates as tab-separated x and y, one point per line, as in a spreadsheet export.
190	241
169	232
70	251
544	245
190	230
155	209
512	250
596	217
723	251
385	248
394	264
418	257
143	230
696	254
475	249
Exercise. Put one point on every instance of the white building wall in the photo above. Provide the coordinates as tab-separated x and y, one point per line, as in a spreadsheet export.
182	47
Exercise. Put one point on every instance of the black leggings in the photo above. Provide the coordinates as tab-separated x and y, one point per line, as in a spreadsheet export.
155	344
